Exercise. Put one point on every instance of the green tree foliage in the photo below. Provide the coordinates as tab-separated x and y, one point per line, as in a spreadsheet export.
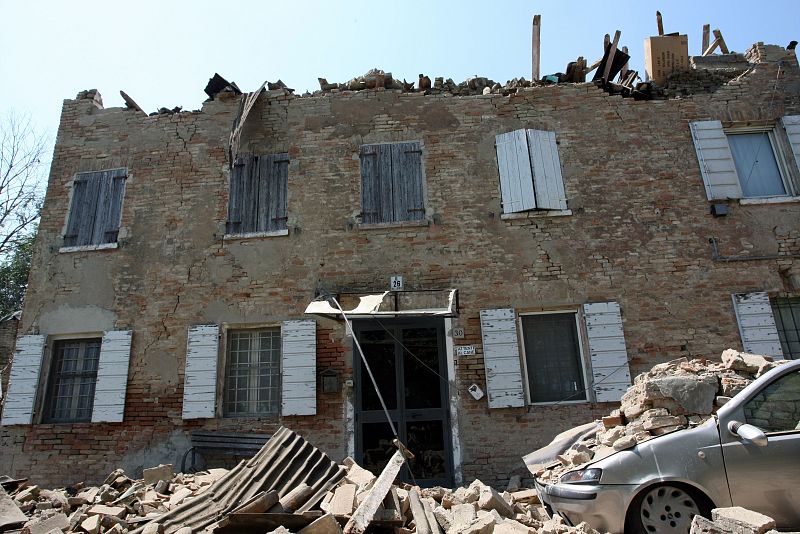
14	274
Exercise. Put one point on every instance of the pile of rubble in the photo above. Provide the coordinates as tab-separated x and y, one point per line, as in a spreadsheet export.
671	396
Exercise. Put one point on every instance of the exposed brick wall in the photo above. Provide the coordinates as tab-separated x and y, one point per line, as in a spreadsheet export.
8	336
638	235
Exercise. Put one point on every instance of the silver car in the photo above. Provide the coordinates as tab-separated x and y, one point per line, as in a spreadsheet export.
747	455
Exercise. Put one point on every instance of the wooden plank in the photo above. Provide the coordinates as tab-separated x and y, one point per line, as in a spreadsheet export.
236	132
433	525
363	515
706	33
624	72
112	377
708	51
611	52
200	390
23	381
298	364
535	46
718	38
418	512
659	23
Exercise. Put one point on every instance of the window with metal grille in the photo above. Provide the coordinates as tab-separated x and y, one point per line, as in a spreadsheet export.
787	318
252	372
73	374
257	201
553	357
391	183
96	208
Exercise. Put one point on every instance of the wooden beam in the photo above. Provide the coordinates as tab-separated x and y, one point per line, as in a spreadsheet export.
706	32
624	72
606	41
611	52
418	512
535	42
594	65
365	512
708	51
660	23
722	46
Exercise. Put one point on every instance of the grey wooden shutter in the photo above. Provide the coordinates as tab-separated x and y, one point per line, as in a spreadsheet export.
716	161
113	210
757	324
370	191
547	180
791	124
79	188
407	181
250	197
200	381
275	187
236	197
501	358
112	377
385	184
24	380
611	375
514	166
299	368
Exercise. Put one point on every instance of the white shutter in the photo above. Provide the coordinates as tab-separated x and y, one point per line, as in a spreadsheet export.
299	368
546	165
757	324
716	160
112	377
200	381
514	165
611	375
23	382
791	123
501	358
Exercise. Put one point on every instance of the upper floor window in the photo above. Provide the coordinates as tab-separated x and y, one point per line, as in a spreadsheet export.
746	161
96	208
530	171
257	202
391	183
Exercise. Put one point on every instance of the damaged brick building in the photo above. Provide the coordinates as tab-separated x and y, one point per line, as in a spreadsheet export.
509	261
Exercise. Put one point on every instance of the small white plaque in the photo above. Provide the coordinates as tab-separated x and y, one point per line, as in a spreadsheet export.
458	333
396	283
465	350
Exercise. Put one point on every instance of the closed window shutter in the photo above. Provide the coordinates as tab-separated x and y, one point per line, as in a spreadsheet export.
385	185
757	324
79	190
114	208
407	181
501	358
514	166
24	380
275	204
200	381
236	198
299	368
112	377
547	179
250	182
791	124
716	161
608	354
370	188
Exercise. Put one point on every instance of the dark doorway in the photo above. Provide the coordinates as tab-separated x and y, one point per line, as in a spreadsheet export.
408	360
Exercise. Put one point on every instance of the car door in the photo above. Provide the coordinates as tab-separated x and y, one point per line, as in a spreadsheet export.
766	478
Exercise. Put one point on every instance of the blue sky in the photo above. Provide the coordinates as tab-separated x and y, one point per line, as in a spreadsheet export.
162	53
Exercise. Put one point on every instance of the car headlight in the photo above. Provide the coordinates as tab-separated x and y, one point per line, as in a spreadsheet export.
582	476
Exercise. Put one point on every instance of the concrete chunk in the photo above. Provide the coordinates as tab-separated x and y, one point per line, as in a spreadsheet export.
326	524
101	509
738	519
43	526
491	500
154	474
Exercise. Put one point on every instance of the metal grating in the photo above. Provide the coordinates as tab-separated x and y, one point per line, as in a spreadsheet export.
285	461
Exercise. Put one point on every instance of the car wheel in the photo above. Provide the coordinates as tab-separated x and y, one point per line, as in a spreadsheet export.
665	509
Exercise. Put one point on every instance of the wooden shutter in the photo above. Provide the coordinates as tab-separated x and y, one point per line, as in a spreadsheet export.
501	358
112	377
236	197
514	166
250	197
113	210
611	375
299	368
385	184
200	381
407	181
274	206
757	324
370	188
79	187
791	124
547	180
716	161
23	381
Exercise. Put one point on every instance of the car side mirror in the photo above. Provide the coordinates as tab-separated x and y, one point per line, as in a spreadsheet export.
749	432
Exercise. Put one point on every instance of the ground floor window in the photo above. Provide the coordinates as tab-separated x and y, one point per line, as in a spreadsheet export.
787	319
252	372
73	373
553	357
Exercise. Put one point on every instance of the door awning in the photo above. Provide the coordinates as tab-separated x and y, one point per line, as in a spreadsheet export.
390	304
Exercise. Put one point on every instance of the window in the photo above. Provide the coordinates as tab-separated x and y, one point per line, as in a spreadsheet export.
749	161
96	208
257	202
530	171
252	372
391	183
787	319
73	375
776	408
553	357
